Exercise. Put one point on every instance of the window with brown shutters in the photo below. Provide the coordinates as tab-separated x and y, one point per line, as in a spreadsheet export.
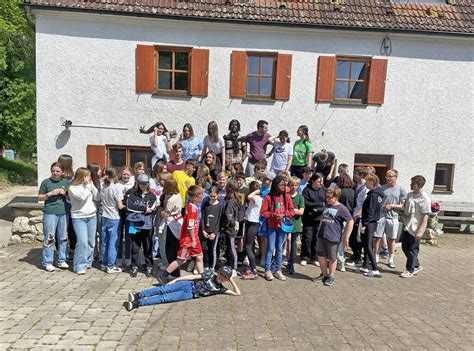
260	75
351	80
171	70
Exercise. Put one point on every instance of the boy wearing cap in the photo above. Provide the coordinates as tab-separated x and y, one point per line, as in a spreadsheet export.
186	288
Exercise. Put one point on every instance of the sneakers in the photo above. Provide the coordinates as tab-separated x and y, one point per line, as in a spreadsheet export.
391	264
362	270
417	270
81	272
134	272
319	277
268	276
49	268
279	275
356	263
103	268
407	274
149	272
373	274
114	269
131	305
62	265
303	262
329	281
316	263
249	275
132	296
341	267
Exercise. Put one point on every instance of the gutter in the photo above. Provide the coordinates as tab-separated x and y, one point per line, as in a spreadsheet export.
27	7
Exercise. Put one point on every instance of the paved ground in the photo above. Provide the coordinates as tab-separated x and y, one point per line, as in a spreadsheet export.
62	310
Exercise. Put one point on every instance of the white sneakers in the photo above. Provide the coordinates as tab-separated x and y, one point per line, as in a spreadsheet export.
113	270
303	262
49	268
62	265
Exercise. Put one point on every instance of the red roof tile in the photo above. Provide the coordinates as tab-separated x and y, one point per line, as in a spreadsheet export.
356	14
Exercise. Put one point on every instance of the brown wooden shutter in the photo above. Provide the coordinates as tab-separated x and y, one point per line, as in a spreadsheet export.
145	68
199	72
97	154
283	77
326	80
238	75
377	77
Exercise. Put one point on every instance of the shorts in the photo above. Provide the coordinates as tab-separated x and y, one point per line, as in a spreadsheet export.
326	248
184	253
389	226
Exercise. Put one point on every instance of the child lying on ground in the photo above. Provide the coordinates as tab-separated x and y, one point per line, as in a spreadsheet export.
185	288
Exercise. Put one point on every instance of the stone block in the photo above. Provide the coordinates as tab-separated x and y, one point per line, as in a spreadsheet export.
15	239
28	238
35	220
20	225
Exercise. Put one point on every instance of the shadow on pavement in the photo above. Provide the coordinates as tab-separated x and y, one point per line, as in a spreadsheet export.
33	257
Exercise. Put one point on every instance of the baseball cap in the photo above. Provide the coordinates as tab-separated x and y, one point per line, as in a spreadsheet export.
226	271
143	178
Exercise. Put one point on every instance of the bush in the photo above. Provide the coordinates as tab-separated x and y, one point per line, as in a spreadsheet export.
18	172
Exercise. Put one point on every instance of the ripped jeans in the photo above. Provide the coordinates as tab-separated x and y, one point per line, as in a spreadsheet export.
54	229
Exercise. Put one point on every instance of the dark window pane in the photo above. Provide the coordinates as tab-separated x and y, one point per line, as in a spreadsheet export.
441	176
341	90
252	85
357	91
181	81
358	70
267	65
164	80
164	61
266	86
117	157
137	156
181	61
343	69
254	65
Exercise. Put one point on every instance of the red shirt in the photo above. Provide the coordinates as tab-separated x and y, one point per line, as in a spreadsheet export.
191	220
272	207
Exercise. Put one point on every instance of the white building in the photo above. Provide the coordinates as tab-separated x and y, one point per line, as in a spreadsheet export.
97	66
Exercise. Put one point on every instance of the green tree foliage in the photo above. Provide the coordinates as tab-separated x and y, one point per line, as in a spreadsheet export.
17	79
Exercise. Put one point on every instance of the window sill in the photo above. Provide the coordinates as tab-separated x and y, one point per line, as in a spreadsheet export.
442	192
348	102
258	98
171	93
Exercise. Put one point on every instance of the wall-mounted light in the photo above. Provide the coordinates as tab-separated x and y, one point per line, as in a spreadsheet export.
386	47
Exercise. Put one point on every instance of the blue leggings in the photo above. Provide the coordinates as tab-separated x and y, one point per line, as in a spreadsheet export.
179	291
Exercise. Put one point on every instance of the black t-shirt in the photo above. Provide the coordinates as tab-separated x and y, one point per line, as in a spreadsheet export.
211	217
324	167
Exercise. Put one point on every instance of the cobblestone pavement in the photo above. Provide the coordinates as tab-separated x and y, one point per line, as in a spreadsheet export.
431	311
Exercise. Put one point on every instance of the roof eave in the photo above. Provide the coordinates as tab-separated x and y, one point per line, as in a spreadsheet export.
243	21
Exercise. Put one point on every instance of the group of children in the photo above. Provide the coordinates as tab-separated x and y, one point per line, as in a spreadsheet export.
196	210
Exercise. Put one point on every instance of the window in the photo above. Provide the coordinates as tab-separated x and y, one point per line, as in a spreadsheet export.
351	79
381	163
171	70
120	155
260	75
444	173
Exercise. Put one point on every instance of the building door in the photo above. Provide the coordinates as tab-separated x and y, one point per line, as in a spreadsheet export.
381	163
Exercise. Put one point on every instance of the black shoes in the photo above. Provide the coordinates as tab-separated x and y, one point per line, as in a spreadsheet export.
134	272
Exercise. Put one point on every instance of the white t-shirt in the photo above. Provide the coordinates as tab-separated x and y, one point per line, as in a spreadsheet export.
110	195
212	146
159	150
415	208
253	210
281	155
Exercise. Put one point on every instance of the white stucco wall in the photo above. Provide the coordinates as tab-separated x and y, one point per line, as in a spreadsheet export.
86	73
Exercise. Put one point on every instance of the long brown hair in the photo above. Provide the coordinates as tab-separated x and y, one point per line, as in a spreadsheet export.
80	174
215	136
94	168
65	162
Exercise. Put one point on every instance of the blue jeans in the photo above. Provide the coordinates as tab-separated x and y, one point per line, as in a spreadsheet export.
54	228
179	291
275	239
109	241
85	229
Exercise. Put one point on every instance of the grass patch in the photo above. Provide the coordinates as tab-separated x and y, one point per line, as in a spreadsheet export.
17	172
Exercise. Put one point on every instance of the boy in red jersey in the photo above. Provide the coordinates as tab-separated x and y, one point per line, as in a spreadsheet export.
189	244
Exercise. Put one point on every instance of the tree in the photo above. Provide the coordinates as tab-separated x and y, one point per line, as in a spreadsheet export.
17	79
